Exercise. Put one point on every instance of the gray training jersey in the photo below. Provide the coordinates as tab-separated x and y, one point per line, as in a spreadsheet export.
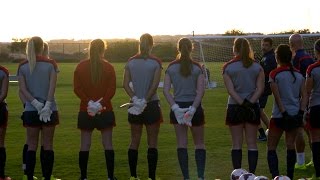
289	90
184	88
313	72
38	82
3	73
142	74
243	79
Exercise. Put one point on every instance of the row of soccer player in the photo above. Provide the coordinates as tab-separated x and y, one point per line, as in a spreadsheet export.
94	84
294	82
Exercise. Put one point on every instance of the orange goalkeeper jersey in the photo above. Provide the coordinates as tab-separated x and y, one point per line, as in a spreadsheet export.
86	90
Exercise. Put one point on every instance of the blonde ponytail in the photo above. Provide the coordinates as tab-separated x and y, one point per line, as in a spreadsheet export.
31	55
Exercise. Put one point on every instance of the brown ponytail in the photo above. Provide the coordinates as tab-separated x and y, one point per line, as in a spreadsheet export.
146	45
185	49
245	53
96	53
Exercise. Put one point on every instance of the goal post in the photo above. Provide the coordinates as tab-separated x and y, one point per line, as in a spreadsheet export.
213	51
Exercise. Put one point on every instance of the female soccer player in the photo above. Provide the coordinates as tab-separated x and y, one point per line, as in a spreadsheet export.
187	78
95	85
144	71
37	82
313	90
244	80
4	85
23	100
287	86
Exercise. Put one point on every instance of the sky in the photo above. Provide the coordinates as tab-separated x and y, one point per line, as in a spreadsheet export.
88	19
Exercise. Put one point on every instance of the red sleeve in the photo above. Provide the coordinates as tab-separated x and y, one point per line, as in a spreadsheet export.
111	90
77	85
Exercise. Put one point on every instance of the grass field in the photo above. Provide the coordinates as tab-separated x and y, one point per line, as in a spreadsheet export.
67	137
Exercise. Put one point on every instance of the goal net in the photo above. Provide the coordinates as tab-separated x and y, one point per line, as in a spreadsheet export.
213	51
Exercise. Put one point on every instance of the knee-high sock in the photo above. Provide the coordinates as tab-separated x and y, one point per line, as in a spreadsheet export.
133	160
291	160
48	159
273	163
252	160
109	155
3	157
152	162
42	161
200	156
236	156
24	159
83	163
316	157
30	163
183	161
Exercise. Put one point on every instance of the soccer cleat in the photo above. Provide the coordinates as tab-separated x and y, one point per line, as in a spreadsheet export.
310	164
25	177
300	167
6	178
133	178
262	138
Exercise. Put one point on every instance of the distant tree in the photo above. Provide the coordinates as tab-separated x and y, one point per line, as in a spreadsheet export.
304	31
234	32
18	45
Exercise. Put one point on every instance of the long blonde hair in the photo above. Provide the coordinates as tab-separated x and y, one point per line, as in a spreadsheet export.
185	48
96	49
34	48
245	53
146	45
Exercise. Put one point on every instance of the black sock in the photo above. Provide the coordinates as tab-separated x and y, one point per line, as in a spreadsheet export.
273	163
291	160
24	159
262	133
109	155
30	163
152	162
200	156
316	157
133	160
252	160
236	155
48	159
3	157
83	163
42	161
183	161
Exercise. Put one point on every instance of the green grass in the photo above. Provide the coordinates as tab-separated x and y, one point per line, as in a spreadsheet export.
67	137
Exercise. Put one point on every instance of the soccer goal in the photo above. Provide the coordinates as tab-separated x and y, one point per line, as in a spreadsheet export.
213	51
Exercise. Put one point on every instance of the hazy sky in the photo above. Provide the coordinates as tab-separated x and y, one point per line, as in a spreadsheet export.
86	19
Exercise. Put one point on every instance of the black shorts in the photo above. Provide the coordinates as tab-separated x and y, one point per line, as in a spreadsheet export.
3	115
100	121
151	114
279	123
31	119
314	119
263	101
233	119
198	117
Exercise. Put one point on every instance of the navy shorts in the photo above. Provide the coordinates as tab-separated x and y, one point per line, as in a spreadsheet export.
100	121
198	117
314	119
279	123
263	101
232	119
151	114
31	119
3	115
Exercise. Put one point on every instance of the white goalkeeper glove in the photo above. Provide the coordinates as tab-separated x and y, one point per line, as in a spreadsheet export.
178	113
141	104
46	112
38	105
134	110
94	107
187	118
